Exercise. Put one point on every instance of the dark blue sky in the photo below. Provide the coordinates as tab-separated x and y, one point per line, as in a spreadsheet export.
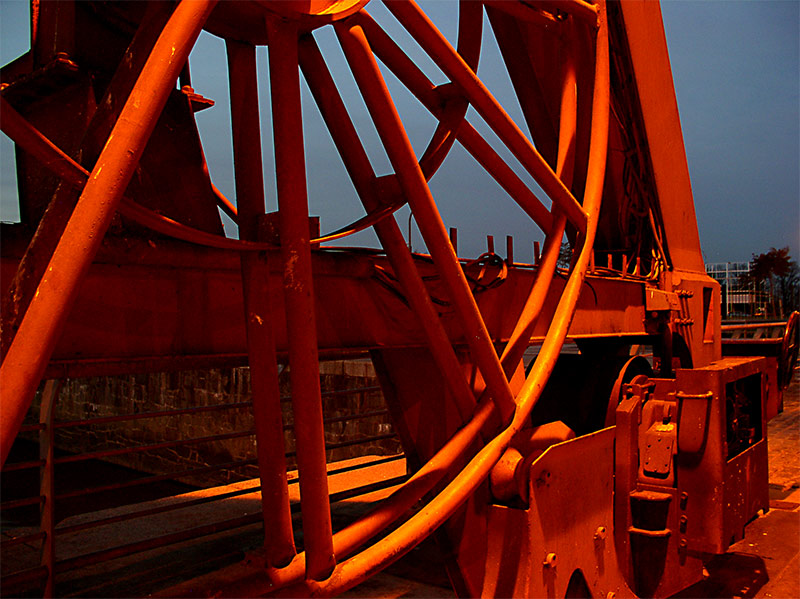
736	72
736	69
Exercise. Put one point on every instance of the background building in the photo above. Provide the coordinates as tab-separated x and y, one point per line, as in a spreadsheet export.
740	297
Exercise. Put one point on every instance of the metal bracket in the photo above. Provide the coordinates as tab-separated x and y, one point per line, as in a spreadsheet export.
693	410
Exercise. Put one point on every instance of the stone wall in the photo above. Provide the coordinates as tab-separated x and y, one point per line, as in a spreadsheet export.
93	398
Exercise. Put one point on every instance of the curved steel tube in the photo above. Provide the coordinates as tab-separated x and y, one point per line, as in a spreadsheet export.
298	294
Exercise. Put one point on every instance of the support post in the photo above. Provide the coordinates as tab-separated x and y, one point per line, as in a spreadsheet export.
298	290
262	357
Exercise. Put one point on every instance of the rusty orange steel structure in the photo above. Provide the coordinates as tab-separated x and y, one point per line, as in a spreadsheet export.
603	472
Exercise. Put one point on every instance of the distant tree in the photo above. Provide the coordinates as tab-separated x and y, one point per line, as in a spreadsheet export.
789	288
775	273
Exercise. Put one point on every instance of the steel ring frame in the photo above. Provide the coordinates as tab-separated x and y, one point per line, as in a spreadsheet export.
103	193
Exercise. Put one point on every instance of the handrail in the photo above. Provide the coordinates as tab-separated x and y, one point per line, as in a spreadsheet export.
753	325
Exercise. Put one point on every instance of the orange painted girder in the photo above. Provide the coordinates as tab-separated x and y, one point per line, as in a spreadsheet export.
142	302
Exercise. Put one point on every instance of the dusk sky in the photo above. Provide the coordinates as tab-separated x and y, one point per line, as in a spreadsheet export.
736	67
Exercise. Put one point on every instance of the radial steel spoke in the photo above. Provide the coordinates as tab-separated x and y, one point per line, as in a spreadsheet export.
362	175
299	298
489	159
418	84
276	512
41	326
445	56
401	155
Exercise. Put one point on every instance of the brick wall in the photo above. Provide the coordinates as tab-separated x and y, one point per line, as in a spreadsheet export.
92	398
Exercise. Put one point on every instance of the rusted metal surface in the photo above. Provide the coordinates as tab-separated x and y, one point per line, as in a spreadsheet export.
497	444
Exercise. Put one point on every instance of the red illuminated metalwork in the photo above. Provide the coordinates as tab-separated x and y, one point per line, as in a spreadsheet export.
607	156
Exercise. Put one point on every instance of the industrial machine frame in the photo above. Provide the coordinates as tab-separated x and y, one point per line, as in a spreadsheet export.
599	474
